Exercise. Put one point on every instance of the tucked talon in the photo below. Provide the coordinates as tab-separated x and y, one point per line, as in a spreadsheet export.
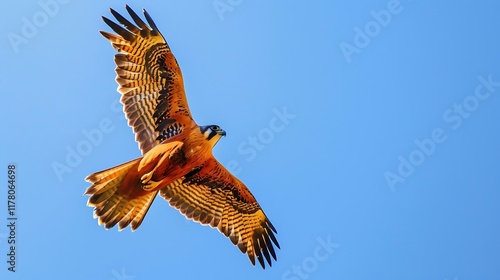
147	177
151	185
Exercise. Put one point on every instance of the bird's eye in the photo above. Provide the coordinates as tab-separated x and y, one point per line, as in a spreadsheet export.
214	127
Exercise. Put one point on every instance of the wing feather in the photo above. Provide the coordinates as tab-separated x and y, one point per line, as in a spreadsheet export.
212	196
149	79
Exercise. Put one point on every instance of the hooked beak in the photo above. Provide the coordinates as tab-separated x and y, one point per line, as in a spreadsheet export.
222	132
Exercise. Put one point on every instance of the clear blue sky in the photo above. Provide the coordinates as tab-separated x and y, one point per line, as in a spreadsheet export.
376	126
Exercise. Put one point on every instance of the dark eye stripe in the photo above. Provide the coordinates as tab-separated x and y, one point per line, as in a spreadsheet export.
211	135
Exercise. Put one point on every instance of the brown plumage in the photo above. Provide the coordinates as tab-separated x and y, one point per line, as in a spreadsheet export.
177	158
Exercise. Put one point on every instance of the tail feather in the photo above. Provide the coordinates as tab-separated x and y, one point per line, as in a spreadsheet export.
113	207
138	213
102	180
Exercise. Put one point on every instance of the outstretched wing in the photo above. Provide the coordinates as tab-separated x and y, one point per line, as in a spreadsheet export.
210	195
149	80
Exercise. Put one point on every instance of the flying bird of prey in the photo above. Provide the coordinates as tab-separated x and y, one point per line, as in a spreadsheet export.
177	160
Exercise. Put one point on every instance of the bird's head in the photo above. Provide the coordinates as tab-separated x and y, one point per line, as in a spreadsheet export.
212	133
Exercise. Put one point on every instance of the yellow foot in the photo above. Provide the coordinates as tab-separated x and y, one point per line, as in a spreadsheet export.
146	177
151	185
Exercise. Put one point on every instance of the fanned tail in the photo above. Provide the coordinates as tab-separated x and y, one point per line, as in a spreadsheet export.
112	204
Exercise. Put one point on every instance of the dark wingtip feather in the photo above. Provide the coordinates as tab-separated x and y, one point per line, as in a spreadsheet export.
137	19
119	30
252	258
271	235
151	22
269	246
260	258
271	225
106	35
264	249
131	27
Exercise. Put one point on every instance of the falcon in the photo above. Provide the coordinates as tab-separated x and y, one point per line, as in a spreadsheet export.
177	161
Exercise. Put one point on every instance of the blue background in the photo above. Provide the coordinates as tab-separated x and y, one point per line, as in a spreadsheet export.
360	102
